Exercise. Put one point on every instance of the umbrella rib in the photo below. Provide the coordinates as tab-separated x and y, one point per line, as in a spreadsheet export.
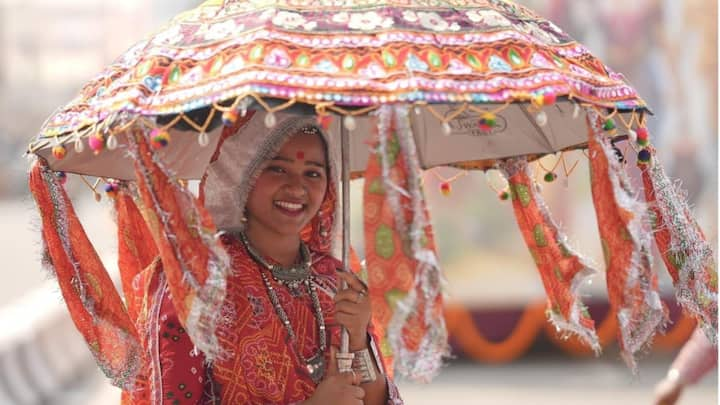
537	127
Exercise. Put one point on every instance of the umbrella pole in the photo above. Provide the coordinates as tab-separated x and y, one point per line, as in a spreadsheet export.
344	357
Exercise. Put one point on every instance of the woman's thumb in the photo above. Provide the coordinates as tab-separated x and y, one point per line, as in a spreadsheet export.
332	368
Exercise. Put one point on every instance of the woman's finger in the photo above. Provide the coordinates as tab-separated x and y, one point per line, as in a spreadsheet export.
351	296
332	368
353	281
350	308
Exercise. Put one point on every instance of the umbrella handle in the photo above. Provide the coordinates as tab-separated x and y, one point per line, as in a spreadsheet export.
344	357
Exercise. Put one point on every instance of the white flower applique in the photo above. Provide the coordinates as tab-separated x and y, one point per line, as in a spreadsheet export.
341	18
410	16
222	30
432	20
488	17
291	20
369	21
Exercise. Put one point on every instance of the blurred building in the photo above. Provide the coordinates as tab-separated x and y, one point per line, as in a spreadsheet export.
48	49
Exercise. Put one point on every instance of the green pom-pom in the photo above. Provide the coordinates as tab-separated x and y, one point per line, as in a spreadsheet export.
609	124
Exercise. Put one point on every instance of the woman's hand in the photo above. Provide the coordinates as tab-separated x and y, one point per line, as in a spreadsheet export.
352	310
337	388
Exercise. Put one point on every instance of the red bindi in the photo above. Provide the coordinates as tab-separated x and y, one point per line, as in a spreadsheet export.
300	155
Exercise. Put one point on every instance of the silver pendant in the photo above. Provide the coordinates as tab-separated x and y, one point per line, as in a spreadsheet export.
316	367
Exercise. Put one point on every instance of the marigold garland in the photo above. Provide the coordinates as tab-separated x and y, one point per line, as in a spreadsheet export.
464	332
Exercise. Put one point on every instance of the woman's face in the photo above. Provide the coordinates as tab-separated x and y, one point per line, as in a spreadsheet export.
290	189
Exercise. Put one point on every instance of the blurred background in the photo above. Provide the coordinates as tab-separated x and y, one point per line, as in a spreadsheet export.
666	48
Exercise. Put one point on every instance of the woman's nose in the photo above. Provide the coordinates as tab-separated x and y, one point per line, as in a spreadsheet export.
295	186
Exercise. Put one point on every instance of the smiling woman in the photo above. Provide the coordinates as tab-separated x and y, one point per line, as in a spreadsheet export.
287	194
274	308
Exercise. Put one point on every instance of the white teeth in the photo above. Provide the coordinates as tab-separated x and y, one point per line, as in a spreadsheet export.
289	205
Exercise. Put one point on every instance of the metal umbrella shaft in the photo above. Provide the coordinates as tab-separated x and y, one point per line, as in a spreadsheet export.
344	357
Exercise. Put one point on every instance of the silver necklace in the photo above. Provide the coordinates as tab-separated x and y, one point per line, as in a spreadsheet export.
315	365
291	277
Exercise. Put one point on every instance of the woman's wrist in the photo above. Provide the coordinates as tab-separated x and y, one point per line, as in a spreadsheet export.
358	342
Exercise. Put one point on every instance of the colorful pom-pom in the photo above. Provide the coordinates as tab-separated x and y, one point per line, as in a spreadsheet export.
62	177
550	177
643	136
609	124
445	188
96	142
549	98
159	138
111	189
324	121
487	121
229	117
541	100
59	152
504	195
644	157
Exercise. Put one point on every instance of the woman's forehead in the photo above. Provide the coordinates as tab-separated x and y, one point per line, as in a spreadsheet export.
303	146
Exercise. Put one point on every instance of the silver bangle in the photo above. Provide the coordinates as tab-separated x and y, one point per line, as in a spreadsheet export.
364	365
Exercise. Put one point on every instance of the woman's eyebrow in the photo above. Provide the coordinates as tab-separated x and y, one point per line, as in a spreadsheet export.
307	162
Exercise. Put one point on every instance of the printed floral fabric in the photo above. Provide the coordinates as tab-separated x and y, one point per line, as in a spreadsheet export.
561	269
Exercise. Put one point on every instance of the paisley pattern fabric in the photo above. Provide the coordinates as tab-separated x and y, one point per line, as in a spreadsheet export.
94	304
262	366
561	269
407	301
631	282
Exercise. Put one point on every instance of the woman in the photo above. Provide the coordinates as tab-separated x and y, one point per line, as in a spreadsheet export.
273	197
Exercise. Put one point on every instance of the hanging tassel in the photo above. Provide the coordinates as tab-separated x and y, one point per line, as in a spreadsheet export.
92	300
632	285
561	269
407	301
136	248
193	259
687	255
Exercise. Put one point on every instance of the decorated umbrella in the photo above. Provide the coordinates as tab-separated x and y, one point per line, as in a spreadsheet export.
406	86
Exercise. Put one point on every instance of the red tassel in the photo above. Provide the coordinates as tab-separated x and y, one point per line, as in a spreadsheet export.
93	302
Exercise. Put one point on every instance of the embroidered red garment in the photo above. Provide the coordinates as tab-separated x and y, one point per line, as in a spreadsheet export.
682	245
94	303
392	220
136	248
561	270
265	367
631	283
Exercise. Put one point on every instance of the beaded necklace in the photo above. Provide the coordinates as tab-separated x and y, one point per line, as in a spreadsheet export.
293	278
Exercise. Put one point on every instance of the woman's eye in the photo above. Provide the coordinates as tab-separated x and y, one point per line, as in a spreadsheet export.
275	169
314	174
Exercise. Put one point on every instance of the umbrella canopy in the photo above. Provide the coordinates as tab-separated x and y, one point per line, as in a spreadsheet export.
475	84
463	65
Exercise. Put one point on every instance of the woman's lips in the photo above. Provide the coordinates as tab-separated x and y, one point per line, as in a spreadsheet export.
290	208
